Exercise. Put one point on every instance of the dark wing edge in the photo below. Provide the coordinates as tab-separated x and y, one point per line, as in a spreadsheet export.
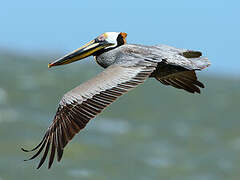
73	115
178	77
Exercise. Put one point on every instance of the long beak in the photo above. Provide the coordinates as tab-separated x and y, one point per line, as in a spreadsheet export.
83	52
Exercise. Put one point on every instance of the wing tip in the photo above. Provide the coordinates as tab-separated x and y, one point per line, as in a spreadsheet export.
25	150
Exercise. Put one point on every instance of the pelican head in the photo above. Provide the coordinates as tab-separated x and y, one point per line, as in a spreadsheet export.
99	45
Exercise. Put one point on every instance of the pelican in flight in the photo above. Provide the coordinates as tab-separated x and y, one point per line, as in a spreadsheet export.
126	67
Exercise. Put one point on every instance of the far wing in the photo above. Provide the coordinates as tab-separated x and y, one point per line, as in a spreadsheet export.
178	66
177	77
83	103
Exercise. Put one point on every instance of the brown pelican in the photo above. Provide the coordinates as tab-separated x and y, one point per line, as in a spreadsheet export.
126	66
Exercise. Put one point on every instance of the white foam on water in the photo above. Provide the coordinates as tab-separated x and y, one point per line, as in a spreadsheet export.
77	173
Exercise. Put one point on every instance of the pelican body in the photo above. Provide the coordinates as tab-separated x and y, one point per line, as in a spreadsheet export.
126	66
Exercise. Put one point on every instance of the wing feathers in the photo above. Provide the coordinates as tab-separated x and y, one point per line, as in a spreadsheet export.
51	158
35	148
45	152
86	101
177	77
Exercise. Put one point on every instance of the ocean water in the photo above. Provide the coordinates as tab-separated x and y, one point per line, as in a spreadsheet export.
153	132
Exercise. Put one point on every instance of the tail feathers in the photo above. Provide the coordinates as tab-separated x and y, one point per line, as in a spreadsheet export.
191	54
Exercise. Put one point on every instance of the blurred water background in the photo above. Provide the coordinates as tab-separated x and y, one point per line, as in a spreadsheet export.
154	132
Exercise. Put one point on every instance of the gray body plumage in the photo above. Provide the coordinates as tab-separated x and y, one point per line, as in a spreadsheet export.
131	53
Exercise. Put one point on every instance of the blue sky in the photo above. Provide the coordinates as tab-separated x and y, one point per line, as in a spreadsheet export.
62	26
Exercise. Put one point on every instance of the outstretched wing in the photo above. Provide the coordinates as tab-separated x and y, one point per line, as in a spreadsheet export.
83	103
